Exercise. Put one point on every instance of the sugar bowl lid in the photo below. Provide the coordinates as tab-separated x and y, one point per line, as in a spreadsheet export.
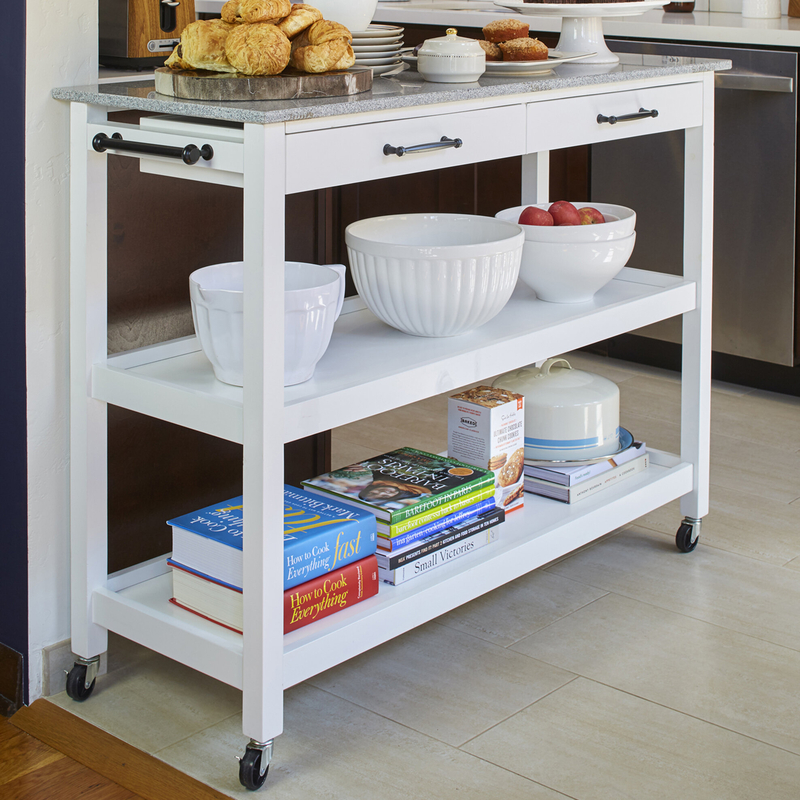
451	45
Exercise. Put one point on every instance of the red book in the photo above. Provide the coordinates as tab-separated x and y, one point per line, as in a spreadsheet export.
320	597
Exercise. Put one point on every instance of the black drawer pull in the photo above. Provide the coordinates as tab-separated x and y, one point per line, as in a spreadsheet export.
389	149
190	154
642	114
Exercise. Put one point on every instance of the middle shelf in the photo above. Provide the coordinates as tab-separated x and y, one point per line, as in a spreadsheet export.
370	367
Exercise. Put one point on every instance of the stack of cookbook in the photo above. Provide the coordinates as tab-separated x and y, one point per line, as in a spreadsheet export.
571	483
329	559
430	509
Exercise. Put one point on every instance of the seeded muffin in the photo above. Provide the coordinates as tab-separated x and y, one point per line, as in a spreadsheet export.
523	50
493	52
503	30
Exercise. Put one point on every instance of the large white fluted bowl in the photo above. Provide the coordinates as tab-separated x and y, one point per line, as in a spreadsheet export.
434	274
313	297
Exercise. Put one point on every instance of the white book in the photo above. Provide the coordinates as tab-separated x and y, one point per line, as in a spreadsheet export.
439	557
570	475
573	494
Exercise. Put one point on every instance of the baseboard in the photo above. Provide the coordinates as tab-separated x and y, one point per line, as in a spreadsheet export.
12	670
139	772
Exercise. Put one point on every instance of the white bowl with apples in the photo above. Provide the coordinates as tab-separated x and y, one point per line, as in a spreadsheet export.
598	222
569	254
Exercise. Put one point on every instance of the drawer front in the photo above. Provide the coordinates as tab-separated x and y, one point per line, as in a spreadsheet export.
553	124
338	156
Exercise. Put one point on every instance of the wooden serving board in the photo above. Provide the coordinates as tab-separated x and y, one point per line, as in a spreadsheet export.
289	85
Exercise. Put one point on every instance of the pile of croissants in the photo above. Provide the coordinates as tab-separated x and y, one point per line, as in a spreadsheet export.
263	37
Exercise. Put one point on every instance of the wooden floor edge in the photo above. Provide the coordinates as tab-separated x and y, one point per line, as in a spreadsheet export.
133	769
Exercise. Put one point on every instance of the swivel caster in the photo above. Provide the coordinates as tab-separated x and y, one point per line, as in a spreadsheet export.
81	678
254	764
688	535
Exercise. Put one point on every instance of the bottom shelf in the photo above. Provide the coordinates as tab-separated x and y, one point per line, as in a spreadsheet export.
541	532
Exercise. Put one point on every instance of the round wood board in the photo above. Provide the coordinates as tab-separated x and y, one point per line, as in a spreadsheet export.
289	85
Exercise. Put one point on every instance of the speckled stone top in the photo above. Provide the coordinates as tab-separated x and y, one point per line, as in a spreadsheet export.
403	90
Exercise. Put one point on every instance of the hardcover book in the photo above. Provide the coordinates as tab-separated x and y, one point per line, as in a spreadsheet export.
442	523
319	535
580	491
437	541
439	558
569	476
315	599
401	484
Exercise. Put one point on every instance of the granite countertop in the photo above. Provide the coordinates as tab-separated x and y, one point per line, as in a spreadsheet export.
403	90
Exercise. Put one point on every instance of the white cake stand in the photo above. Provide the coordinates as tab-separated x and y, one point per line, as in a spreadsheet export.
582	23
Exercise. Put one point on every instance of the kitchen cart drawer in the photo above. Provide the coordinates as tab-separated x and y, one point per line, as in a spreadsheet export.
353	154
553	124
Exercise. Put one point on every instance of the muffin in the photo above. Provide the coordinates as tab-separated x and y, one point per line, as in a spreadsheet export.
503	30
523	50
491	50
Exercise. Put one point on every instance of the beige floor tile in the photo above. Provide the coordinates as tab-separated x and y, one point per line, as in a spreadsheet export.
739	522
721	676
657	433
769	472
344	453
593	742
726	589
520	608
154	703
441	682
334	750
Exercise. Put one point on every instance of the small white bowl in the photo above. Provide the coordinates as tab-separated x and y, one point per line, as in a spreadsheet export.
573	272
621	222
355	15
313	297
451	59
434	274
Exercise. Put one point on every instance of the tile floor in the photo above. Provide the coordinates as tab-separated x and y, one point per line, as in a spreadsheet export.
625	670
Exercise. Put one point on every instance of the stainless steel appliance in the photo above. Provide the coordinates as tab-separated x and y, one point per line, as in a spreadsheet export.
755	210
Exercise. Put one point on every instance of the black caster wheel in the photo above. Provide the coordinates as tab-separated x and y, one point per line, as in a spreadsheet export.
250	769
686	539
76	683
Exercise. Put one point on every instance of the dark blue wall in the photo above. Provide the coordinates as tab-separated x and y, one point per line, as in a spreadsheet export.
13	480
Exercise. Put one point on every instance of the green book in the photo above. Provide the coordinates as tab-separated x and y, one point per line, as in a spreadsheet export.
401	484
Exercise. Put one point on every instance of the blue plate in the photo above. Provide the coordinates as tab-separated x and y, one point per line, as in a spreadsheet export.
625	441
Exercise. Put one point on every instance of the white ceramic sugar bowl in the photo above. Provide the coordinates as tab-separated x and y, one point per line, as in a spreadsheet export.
451	59
569	414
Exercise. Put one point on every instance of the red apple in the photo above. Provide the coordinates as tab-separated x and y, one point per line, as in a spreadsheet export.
535	216
590	216
564	213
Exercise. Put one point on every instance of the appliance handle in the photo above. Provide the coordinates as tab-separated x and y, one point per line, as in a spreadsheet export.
642	113
753	81
190	154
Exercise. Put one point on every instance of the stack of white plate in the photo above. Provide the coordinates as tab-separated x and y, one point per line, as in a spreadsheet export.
378	47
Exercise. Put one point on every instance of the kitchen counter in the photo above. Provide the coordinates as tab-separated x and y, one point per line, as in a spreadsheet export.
399	91
700	26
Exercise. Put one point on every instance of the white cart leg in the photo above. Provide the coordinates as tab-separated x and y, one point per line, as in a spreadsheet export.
262	680
697	266
88	454
536	177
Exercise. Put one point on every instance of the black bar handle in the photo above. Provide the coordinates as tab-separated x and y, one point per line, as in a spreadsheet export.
389	149
190	154
642	114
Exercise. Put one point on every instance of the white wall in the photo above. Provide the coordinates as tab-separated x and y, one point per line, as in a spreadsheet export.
61	50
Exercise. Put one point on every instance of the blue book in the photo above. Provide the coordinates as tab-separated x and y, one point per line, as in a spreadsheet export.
319	535
415	534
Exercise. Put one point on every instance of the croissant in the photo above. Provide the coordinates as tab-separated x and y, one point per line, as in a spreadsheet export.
347	60
236	11
202	46
325	30
320	57
300	17
258	49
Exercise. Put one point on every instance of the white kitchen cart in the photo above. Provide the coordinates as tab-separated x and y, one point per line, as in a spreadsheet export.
273	149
